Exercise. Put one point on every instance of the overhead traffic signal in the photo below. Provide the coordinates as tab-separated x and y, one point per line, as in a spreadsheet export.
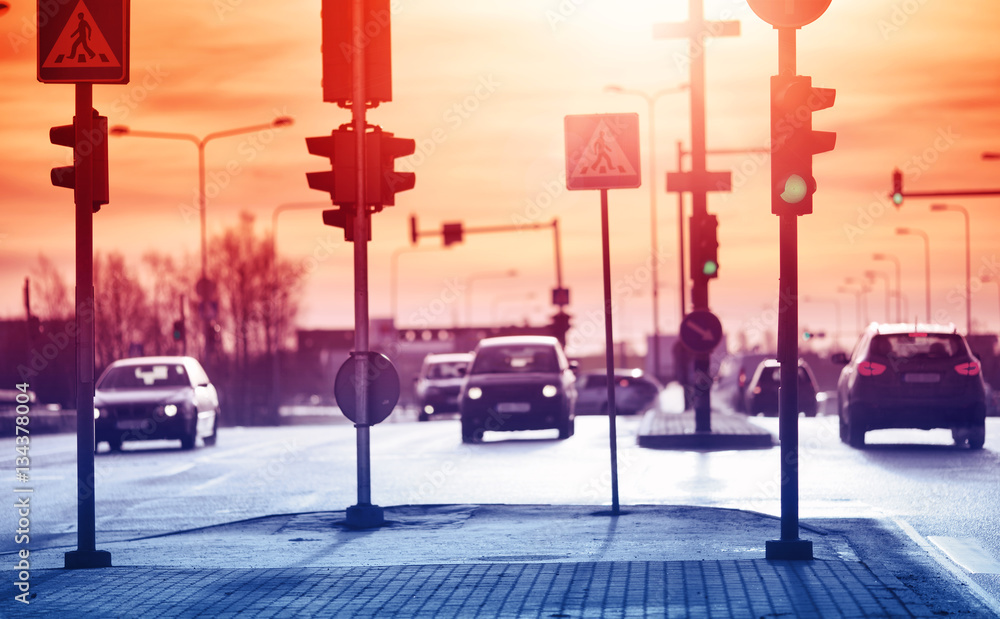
94	145
704	247
414	235
178	330
897	187
793	141
451	233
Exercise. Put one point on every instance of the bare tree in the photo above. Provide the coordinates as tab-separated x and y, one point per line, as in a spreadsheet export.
169	299
120	303
50	295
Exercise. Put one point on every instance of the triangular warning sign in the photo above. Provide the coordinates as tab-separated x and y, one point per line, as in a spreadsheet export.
81	44
603	156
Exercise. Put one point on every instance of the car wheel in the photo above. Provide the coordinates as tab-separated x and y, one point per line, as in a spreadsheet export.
115	444
188	440
212	438
423	417
566	428
856	431
844	428
977	437
471	432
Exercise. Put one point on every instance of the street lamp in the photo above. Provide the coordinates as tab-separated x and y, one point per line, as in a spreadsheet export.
968	260
927	262
858	294
654	256
895	260
871	274
203	287
468	288
836	307
996	280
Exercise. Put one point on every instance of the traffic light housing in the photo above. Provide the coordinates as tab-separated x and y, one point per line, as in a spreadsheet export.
338	47
344	217
340	181
383	150
451	233
94	145
178	330
414	235
704	247
793	141
897	188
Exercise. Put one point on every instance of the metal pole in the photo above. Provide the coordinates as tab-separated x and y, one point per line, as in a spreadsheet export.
609	352
968	272
364	514
86	555
927	270
654	242
680	235
789	546
202	208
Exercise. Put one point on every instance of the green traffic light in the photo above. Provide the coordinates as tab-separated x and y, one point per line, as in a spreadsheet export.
796	189
897	198
710	267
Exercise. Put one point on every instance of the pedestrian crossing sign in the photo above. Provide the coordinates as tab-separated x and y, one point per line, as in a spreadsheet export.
77	44
602	151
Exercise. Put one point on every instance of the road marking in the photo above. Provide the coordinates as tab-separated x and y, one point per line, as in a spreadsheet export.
967	552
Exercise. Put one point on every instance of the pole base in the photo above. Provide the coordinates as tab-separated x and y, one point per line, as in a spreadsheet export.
365	516
789	550
85	559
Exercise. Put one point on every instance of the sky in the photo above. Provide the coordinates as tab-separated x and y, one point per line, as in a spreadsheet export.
483	87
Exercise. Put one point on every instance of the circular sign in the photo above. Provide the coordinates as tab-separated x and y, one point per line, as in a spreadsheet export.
205	288
383	387
701	331
789	13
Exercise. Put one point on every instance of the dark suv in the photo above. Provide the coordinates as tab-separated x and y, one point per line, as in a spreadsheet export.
518	383
911	376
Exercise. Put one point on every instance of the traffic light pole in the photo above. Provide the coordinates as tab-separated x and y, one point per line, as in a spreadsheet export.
789	546
364	514
86	555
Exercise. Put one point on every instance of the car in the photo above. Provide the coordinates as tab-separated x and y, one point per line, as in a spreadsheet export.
762	390
518	383
634	392
920	376
438	383
730	384
149	398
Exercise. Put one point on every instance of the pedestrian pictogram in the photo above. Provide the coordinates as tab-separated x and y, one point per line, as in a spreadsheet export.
602	151
80	45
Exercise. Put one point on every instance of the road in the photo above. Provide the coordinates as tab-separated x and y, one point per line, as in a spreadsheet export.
931	488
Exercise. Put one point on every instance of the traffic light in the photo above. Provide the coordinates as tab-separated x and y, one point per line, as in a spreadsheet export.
178	330
94	145
704	247
338	47
897	187
793	141
414	235
340	182
451	233
343	217
383	150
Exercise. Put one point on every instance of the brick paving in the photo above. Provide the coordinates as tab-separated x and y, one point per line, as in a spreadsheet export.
666	430
737	588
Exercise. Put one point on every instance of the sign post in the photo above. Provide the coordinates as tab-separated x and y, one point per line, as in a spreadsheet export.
602	152
78	46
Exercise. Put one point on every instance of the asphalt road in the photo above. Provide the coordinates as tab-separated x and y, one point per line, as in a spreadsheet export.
948	498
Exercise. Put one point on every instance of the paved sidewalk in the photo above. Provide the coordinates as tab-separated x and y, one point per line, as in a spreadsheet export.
503	561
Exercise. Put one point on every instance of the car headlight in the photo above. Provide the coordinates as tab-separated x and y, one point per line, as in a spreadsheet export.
98	413
550	391
474	393
170	410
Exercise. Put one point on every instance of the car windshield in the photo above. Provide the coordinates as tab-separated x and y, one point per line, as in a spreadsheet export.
446	369
917	345
515	359
145	376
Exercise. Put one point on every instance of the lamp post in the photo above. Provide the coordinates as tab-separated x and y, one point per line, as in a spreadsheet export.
468	289
655	252
927	262
968	260
858	294
898	295
836	307
995	280
871	274
122	130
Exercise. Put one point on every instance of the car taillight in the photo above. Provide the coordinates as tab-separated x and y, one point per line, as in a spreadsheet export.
870	368
970	368
743	379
